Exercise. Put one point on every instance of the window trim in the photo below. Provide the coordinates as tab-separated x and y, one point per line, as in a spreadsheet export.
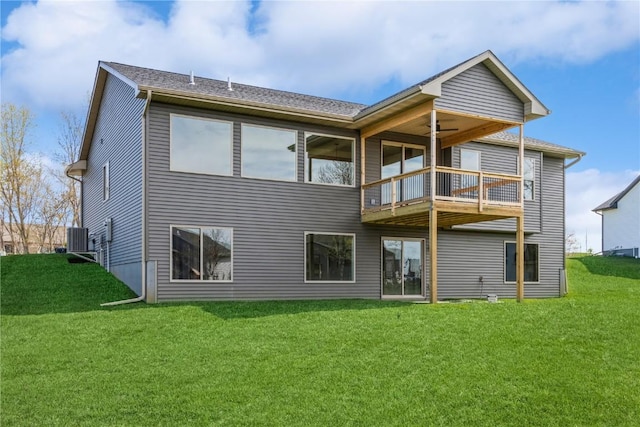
106	182
187	116
423	262
533	181
295	164
403	145
353	261
172	280
479	152
504	263
353	157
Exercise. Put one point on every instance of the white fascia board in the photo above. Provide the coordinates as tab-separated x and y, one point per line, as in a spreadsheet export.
120	76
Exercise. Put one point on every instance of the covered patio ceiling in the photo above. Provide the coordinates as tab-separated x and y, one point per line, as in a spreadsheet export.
455	127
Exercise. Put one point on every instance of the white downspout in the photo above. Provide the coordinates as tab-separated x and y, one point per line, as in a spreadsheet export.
145	129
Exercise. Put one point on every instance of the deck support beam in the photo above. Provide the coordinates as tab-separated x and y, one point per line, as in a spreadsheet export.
433	255
520	258
520	222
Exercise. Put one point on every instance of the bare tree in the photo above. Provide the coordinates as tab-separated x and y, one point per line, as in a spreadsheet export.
69	141
21	174
52	215
336	172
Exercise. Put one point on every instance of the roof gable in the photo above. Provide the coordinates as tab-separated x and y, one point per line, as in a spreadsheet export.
612	203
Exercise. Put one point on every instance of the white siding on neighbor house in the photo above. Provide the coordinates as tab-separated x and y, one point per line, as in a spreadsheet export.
621	226
117	140
479	91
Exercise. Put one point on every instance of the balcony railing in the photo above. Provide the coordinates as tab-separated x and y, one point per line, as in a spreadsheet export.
452	185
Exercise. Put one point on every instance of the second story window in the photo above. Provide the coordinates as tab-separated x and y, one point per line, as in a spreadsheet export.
529	178
268	153
329	159
200	145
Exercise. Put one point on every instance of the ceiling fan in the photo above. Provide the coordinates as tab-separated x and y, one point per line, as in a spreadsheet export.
439	129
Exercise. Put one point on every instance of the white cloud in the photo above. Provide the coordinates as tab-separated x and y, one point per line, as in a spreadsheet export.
586	190
328	48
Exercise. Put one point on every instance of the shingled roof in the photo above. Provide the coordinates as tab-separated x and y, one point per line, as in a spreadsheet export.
146	78
612	203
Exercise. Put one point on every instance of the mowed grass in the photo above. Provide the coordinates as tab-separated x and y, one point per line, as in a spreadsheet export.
572	361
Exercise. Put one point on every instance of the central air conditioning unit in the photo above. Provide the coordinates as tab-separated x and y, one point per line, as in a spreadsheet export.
77	239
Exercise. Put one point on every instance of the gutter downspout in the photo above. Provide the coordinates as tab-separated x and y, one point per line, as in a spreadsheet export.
145	129
576	160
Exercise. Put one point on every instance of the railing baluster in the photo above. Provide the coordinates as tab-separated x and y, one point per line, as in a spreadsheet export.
393	196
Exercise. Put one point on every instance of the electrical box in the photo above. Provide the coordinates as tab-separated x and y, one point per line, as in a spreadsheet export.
108	229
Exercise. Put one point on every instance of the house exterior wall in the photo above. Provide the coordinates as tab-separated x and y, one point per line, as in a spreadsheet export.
269	219
479	91
621	226
117	140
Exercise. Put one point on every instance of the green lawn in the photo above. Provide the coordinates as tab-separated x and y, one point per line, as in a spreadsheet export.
572	361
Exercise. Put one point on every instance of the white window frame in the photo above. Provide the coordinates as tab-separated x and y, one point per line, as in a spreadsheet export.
172	280
304	272
106	182
533	181
353	159
187	116
504	262
423	253
295	163
471	150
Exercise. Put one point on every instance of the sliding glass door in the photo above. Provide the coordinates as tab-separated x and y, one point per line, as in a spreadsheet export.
397	159
402	267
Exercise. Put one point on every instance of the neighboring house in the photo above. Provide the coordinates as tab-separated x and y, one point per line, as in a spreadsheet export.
621	222
217	190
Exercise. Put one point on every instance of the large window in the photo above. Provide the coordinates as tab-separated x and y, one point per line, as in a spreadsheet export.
201	253
530	262
329	159
529	178
329	257
201	145
268	153
397	159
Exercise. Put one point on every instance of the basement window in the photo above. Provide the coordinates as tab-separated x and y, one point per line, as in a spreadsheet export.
201	254
531	262
329	257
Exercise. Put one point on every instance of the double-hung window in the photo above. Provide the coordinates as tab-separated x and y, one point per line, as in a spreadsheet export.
201	254
529	178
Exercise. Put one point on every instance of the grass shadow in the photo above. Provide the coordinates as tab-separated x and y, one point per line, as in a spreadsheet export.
612	266
257	309
45	284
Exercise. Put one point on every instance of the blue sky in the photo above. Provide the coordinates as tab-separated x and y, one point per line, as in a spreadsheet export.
581	59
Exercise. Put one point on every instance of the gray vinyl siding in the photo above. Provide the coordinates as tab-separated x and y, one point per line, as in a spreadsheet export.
464	256
117	140
479	91
268	218
498	159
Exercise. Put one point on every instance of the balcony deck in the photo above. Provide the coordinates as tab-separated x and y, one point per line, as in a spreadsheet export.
461	197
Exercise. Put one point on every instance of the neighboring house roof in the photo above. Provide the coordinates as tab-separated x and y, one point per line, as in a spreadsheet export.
612	203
